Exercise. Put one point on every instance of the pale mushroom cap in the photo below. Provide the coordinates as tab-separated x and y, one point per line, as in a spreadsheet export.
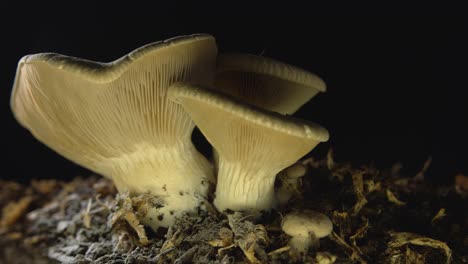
303	223
245	133
188	94
101	72
265	82
97	114
295	171
253	144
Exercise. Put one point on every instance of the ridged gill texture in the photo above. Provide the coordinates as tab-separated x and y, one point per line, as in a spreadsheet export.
265	82
253	145
115	118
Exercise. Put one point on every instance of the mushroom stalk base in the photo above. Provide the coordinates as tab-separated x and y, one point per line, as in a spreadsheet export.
177	175
241	188
300	245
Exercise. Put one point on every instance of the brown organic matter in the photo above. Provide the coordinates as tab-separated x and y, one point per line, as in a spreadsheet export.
84	221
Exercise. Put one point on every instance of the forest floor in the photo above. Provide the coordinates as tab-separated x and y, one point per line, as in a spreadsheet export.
378	217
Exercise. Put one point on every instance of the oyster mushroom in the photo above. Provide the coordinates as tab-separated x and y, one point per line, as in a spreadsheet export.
305	228
265	82
115	119
253	145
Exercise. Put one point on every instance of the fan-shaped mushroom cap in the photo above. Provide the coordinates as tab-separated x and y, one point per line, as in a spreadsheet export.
265	82
115	119
253	144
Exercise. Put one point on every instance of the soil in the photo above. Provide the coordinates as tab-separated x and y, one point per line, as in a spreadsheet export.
379	216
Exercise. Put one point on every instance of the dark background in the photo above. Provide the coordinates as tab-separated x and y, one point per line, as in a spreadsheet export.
396	84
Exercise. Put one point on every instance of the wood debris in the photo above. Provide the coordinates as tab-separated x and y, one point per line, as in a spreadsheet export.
461	184
125	211
13	211
249	237
400	240
44	186
82	221
440	214
358	186
225	239
393	199
353	251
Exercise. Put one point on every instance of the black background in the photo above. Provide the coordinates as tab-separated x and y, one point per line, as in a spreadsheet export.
397	88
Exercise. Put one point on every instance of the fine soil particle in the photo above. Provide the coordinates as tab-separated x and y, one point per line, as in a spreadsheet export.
378	217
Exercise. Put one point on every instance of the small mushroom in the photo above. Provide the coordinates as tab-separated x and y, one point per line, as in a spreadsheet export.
290	183
253	145
305	228
115	119
265	82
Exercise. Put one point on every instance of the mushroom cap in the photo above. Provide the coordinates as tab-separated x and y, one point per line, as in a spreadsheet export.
297	170
96	114
265	82
253	144
206	98
243	132
308	221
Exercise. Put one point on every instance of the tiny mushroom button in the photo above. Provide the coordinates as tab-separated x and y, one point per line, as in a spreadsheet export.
290	181
305	228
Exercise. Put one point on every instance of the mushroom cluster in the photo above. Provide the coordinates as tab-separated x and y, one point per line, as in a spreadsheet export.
131	120
253	145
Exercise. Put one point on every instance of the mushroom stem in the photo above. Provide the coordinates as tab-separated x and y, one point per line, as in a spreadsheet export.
176	174
252	144
241	187
300	245
179	166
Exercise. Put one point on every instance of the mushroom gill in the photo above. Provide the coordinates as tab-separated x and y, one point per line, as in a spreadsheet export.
253	145
265	82
115	119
